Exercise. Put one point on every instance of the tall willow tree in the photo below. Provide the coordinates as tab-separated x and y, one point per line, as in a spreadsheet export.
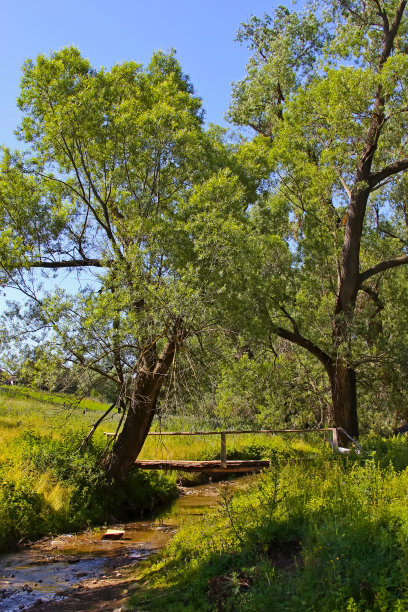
109	157
329	89
326	91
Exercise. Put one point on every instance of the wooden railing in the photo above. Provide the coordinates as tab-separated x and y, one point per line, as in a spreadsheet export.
223	435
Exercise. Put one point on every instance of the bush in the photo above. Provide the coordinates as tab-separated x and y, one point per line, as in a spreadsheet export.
325	535
54	487
22	512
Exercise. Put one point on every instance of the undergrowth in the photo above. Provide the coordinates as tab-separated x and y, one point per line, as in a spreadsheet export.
47	486
329	534
54	488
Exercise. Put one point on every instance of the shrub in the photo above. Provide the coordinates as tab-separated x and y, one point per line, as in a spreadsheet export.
325	535
55	487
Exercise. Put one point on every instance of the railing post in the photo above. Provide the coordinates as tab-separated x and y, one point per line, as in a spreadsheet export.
223	450
335	439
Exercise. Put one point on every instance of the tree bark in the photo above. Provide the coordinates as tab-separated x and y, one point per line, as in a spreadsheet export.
344	397
142	409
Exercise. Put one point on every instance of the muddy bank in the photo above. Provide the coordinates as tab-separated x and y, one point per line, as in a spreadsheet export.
75	572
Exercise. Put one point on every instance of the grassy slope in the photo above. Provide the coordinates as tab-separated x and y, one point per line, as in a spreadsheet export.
345	522
47	486
64	399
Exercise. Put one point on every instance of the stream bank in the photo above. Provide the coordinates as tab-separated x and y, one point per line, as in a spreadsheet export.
75	572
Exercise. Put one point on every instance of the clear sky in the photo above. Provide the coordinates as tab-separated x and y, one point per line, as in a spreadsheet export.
203	34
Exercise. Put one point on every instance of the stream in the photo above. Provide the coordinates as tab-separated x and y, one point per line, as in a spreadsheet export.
51	573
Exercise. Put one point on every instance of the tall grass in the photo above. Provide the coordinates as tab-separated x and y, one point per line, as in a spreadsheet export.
239	446
328	534
48	486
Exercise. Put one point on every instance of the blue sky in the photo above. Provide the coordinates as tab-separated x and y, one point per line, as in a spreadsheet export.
108	32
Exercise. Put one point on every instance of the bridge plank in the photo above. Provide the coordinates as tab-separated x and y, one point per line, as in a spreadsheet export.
203	466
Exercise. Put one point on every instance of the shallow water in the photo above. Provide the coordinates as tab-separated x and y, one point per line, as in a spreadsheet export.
51	566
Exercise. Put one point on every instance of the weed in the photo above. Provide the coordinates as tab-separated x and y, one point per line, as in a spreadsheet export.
325	535
48	486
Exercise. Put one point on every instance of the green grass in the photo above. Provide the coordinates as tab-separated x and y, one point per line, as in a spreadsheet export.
19	414
345	520
65	399
48	486
239	446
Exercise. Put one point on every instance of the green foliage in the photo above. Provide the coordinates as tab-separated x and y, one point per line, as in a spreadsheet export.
23	511
270	391
284	49
48	486
323	535
279	267
94	499
58	489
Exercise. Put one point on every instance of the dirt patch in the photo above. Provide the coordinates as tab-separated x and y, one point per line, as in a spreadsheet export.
285	556
221	588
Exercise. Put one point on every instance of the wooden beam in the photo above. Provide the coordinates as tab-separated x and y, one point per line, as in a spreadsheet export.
335	439
233	432
203	466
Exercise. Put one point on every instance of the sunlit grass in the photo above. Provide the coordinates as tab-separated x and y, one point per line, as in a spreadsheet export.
180	447
245	446
19	414
55	493
65	399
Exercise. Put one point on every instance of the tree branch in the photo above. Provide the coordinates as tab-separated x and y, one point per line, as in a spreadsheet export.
345	186
391	235
74	263
291	319
382	267
373	294
390	170
384	17
297	338
107	225
95	425
346	5
391	32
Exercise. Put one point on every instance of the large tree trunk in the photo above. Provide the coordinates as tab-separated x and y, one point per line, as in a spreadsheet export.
141	411
344	397
341	375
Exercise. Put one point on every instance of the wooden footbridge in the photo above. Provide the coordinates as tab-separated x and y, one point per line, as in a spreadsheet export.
224	465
